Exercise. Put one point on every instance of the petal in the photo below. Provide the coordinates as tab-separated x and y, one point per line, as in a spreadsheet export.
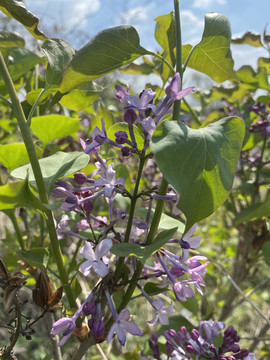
132	328
102	248
163	318
87	252
85	267
108	191
100	268
124	315
152	322
111	332
184	92
170	309
158	304
60	326
110	173
121	335
189	233
65	339
194	242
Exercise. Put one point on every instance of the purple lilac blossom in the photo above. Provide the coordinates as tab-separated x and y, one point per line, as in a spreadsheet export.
94	258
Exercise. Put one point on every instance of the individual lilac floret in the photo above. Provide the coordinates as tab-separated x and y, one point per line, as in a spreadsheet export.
173	90
161	313
94	258
108	181
121	323
143	102
66	326
121	93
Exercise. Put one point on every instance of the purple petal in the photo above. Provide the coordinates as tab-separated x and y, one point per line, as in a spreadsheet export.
152	322
124	315
85	267
87	252
132	328
61	325
100	268
65	339
103	247
184	92
120	334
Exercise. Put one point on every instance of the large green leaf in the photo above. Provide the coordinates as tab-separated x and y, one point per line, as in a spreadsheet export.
107	51
59	54
50	127
199	163
264	62
22	60
143	252
36	257
11	39
249	38
17	10
55	166
212	56
15	155
18	194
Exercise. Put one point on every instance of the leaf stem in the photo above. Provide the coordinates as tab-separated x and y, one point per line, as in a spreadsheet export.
42	191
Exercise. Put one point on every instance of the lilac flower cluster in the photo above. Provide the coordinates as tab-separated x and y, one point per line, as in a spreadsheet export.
200	344
103	183
263	124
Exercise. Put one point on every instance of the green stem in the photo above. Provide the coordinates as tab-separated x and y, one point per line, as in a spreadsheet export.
189	56
16	228
259	167
162	59
195	117
179	68
42	191
35	107
121	260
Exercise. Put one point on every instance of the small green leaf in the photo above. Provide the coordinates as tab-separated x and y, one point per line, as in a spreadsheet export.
36	257
143	252
249	38
253	212
14	155
33	95
266	252
18	194
11	39
16	10
59	54
258	79
107	51
166	221
153	289
165	36
51	127
21	61
264	62
212	56
55	166
81	97
199	163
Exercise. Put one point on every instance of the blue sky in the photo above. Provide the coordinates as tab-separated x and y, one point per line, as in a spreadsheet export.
78	21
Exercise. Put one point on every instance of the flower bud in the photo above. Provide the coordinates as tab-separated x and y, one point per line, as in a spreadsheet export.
80	178
121	137
98	328
194	334
89	308
130	116
235	348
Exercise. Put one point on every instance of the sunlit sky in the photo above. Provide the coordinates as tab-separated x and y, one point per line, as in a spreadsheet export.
78	21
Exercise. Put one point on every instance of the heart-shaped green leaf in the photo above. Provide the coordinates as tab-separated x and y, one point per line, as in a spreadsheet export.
17	10
199	163
50	127
107	51
212	56
55	166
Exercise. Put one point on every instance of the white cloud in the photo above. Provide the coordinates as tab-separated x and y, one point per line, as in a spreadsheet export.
138	14
192	26
203	4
